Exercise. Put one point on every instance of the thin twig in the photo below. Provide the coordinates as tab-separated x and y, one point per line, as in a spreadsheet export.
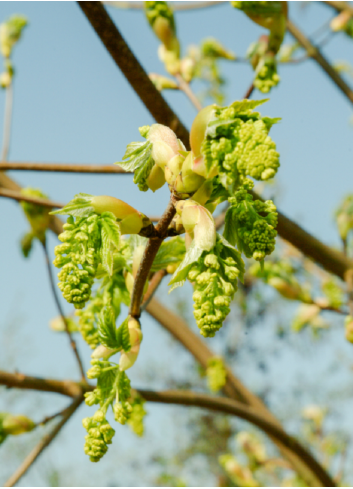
14	195
7	123
185	87
249	91
61	167
315	53
19	197
61	312
149	255
32	457
152	287
177	8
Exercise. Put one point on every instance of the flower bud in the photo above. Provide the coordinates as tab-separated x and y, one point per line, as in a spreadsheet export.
170	58
106	203
94	372
205	230
173	168
90	399
165	144
339	22
211	261
17	424
286	289
162	82
187	67
314	413
199	127
99	416
103	352
5	79
156	178
171	268
127	359
129	282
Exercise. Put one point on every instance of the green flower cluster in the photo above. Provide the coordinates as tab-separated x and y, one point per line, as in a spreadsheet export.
122	408
137	415
266	76
238	145
246	225
99	436
113	389
111	291
78	258
216	374
215	277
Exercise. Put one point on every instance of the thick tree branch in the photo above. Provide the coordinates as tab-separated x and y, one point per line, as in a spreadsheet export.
233	388
314	53
185	398
132	69
229	406
32	457
61	167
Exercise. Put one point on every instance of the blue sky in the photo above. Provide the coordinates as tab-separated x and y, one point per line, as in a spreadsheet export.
72	105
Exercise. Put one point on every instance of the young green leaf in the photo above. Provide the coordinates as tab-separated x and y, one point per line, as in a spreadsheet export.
123	336
106	328
171	251
79	206
192	255
138	156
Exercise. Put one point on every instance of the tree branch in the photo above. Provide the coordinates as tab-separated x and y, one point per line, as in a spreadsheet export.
148	257
340	6
132	69
315	53
14	195
152	287
32	457
61	167
229	406
187	398
185	87
233	387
